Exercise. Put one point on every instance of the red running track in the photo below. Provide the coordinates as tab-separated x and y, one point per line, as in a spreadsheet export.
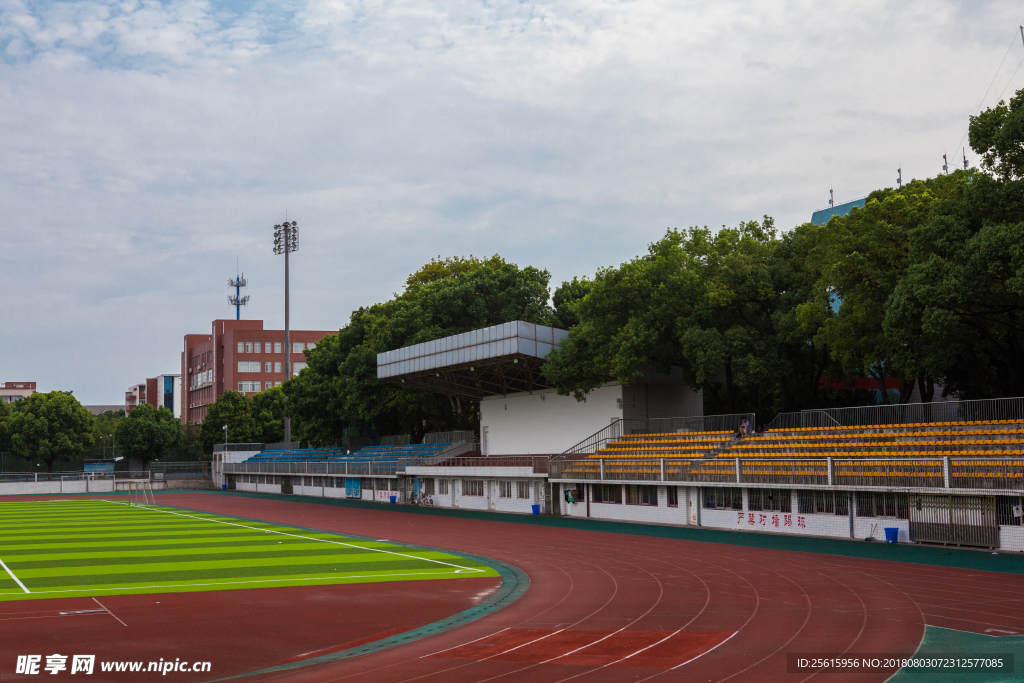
606	607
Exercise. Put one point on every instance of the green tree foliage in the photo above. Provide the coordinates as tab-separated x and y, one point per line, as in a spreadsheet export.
50	427
104	426
339	388
234	410
720	306
147	433
268	408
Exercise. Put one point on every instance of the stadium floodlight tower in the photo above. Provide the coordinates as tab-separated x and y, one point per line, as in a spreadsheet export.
286	240
238	300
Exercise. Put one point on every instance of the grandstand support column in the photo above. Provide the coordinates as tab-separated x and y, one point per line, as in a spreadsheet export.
945	471
737	470
601	465
852	504
663	469
700	500
829	459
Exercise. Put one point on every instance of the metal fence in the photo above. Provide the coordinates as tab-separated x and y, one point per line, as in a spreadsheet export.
892	473
221	447
69	476
670	425
341	468
180	470
395	440
457	436
984	410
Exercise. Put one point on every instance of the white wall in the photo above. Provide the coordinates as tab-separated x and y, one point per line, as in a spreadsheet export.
544	422
16	488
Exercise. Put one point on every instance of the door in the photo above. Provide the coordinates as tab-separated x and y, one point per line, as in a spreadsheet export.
286	484
954	520
231	482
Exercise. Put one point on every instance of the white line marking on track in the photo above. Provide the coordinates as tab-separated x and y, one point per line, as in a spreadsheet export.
109	612
704	653
472	641
624	658
308	538
999	630
16	579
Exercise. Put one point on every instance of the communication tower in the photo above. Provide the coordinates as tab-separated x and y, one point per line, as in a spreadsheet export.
238	300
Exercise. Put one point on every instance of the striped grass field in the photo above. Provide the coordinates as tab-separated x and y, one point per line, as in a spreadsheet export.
68	548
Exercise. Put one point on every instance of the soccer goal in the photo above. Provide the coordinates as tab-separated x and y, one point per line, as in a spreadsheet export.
141	493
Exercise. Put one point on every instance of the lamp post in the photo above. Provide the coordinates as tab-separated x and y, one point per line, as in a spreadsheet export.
286	240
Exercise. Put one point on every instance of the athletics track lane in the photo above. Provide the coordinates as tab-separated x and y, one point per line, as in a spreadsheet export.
594	594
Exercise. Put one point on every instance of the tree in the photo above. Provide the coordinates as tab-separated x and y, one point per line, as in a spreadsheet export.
104	426
234	410
339	388
268	408
50	427
147	433
996	134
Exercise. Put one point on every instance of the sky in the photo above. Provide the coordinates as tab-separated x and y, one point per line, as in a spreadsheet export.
147	145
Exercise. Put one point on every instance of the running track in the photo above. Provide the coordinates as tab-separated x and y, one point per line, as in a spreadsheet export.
604	607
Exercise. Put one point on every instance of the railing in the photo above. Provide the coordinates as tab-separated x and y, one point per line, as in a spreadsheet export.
180	470
395	440
983	410
538	463
345	468
453	451
944	473
457	436
669	425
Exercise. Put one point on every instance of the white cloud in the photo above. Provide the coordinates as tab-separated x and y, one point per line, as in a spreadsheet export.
148	143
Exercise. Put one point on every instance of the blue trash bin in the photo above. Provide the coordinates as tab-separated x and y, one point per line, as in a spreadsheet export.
223	487
892	535
536	509
394	499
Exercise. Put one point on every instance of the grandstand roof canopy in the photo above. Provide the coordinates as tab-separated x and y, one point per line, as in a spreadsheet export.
503	359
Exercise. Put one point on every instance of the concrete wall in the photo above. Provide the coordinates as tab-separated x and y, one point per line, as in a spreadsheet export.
18	488
543	422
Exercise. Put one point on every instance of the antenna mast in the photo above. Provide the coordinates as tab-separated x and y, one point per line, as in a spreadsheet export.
238	300
899	176
831	198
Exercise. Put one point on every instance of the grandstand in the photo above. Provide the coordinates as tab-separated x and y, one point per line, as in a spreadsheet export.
377	453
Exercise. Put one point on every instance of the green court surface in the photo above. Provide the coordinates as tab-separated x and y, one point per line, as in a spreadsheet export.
51	549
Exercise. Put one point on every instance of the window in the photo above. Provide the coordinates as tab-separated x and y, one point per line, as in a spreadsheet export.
277	347
472	487
641	495
1009	511
310	346
523	490
606	493
428	487
268	384
297	347
442	487
248	366
723	499
882	504
248	386
297	366
241	347
277	384
824	502
248	347
267	367
673	496
769	500
504	489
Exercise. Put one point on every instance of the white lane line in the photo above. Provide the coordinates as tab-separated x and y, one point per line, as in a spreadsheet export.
472	641
16	579
704	653
623	659
338	579
308	538
110	613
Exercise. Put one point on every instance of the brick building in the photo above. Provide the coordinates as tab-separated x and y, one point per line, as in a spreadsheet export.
238	355
16	391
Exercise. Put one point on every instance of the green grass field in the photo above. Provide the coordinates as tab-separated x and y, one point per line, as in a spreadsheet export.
51	549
